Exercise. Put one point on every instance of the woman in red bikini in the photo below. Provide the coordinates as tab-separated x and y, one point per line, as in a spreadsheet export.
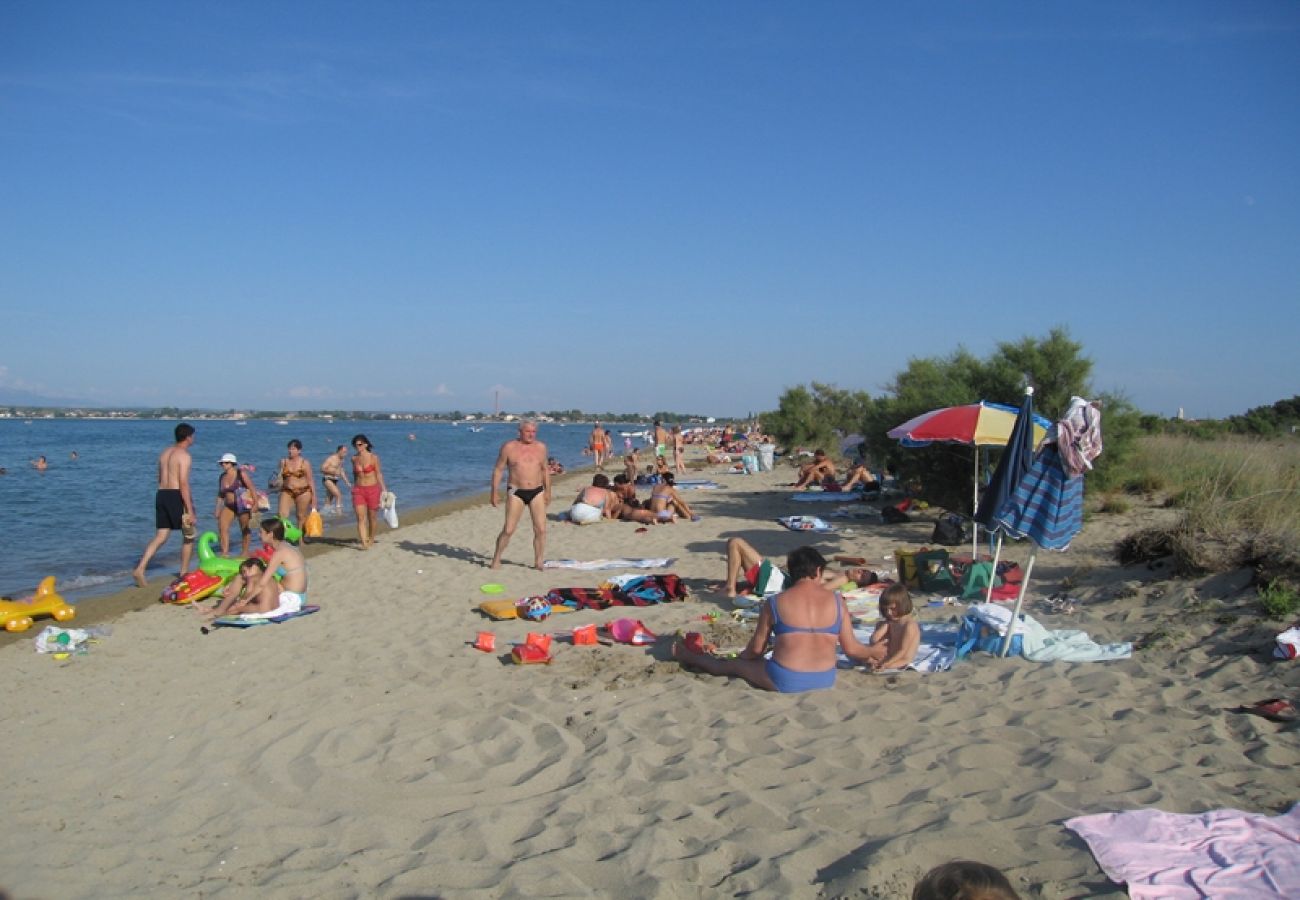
297	486
367	487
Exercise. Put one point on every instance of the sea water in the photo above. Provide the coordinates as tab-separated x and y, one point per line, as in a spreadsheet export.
87	520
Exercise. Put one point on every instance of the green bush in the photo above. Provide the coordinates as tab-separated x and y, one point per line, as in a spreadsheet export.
1279	600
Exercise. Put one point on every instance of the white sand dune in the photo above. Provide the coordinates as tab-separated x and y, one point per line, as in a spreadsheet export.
368	750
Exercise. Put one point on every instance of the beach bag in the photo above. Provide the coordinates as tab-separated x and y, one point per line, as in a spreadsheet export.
243	500
906	560
934	573
974	634
388	506
313	527
892	515
950	531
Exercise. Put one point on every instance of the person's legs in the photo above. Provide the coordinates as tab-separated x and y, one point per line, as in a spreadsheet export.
229	597
514	511
187	551
224	517
335	498
537	510
245	533
158	540
284	505
363	528
303	503
741	556
752	670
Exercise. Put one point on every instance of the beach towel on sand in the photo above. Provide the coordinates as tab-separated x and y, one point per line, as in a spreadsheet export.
936	652
805	523
1222	854
275	617
645	590
592	565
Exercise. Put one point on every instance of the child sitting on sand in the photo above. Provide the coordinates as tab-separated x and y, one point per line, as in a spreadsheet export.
254	589
894	642
964	880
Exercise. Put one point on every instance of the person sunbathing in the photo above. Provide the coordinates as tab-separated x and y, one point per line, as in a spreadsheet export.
665	502
804	624
627	507
860	474
742	557
593	503
818	470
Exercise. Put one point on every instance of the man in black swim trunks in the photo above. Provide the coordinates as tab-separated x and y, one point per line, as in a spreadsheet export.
173	507
528	476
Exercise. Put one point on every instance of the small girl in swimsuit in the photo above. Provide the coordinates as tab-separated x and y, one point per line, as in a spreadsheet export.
241	595
893	644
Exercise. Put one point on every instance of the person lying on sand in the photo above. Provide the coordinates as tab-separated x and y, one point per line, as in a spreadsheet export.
805	624
860	474
742	557
627	507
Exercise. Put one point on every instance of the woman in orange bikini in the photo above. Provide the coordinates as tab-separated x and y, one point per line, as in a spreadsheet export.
367	487
297	486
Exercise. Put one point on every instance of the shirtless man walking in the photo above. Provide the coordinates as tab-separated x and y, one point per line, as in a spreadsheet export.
173	507
525	461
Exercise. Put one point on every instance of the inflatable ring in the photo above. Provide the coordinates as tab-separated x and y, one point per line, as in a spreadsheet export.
15	615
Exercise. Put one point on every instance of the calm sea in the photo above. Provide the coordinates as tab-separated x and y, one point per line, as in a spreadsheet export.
87	520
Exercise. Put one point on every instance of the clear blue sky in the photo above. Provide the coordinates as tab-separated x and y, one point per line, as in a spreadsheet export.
641	205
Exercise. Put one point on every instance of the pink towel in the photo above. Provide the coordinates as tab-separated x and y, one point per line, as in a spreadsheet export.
1221	854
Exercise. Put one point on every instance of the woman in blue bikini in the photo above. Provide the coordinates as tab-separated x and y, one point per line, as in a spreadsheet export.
805	623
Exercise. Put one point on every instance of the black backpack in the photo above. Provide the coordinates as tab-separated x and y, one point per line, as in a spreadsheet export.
950	531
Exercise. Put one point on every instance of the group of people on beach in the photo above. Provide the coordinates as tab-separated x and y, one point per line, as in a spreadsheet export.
237	497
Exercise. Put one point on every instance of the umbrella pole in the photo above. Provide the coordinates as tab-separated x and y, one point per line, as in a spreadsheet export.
974	508
1020	599
993	576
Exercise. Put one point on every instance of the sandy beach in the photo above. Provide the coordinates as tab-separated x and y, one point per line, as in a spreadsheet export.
369	750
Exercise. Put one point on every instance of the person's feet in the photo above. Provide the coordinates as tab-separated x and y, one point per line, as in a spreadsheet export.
138	575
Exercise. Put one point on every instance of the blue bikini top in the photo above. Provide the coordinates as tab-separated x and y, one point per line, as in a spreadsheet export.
780	627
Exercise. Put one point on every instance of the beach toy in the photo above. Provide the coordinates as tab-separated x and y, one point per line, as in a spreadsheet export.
534	609
509	609
694	642
539	640
486	641
192	586
211	564
17	615
491	588
631	631
292	533
529	654
584	635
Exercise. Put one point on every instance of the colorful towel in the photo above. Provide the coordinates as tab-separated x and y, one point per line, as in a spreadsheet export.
1223	853
592	565
826	496
645	590
805	523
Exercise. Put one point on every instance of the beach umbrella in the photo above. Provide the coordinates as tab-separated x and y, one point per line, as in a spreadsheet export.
979	424
1045	506
1012	468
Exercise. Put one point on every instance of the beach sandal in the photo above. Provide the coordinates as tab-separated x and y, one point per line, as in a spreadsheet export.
1275	709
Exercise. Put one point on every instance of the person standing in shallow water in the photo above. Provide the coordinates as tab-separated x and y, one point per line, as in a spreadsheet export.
173	506
528	486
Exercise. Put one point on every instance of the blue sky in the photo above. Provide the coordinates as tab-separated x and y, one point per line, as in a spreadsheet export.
641	206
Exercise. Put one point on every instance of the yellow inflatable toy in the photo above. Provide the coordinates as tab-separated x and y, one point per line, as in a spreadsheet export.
16	615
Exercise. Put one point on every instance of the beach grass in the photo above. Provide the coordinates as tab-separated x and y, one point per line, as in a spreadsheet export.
1239	500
